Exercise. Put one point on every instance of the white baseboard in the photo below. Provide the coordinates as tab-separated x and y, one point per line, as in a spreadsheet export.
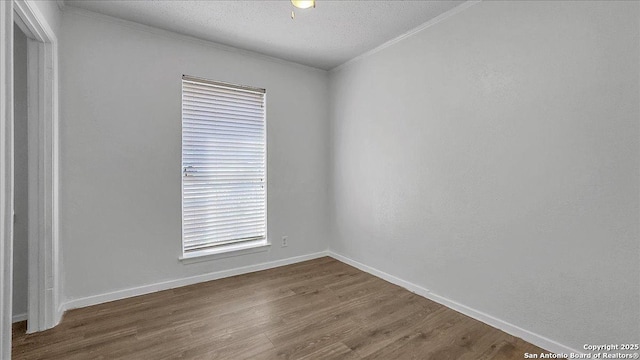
59	313
19	317
509	328
171	284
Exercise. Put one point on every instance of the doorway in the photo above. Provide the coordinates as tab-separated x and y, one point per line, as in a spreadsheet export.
36	170
20	177
43	308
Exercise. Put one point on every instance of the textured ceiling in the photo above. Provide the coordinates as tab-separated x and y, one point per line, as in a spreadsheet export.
324	37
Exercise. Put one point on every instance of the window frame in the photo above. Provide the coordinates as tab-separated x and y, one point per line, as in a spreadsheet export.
235	248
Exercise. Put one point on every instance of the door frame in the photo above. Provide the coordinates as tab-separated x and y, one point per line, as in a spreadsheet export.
44	310
6	176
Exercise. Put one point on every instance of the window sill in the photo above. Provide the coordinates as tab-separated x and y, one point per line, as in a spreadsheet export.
225	251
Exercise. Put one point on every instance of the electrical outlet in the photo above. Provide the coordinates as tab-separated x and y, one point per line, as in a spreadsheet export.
285	240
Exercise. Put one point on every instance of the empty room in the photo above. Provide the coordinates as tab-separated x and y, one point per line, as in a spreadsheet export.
300	179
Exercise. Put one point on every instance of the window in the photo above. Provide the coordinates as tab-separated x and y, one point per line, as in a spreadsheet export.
223	167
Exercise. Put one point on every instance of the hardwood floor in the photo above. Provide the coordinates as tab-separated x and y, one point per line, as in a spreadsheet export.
318	309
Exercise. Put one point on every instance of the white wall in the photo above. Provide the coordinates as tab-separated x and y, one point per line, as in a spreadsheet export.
493	159
20	168
120	154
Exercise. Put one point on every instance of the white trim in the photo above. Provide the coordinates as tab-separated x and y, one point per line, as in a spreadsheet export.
509	328
44	289
37	27
445	15
6	176
18	21
225	251
171	284
182	37
34	301
19	317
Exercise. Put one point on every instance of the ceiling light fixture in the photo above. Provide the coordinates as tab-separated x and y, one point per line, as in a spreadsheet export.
302	4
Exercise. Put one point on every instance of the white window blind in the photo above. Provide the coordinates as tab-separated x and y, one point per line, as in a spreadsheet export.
223	164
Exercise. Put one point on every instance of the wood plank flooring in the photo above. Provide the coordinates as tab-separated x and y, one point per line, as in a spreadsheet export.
318	309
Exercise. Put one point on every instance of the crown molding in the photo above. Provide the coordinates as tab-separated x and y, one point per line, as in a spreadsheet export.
445	15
